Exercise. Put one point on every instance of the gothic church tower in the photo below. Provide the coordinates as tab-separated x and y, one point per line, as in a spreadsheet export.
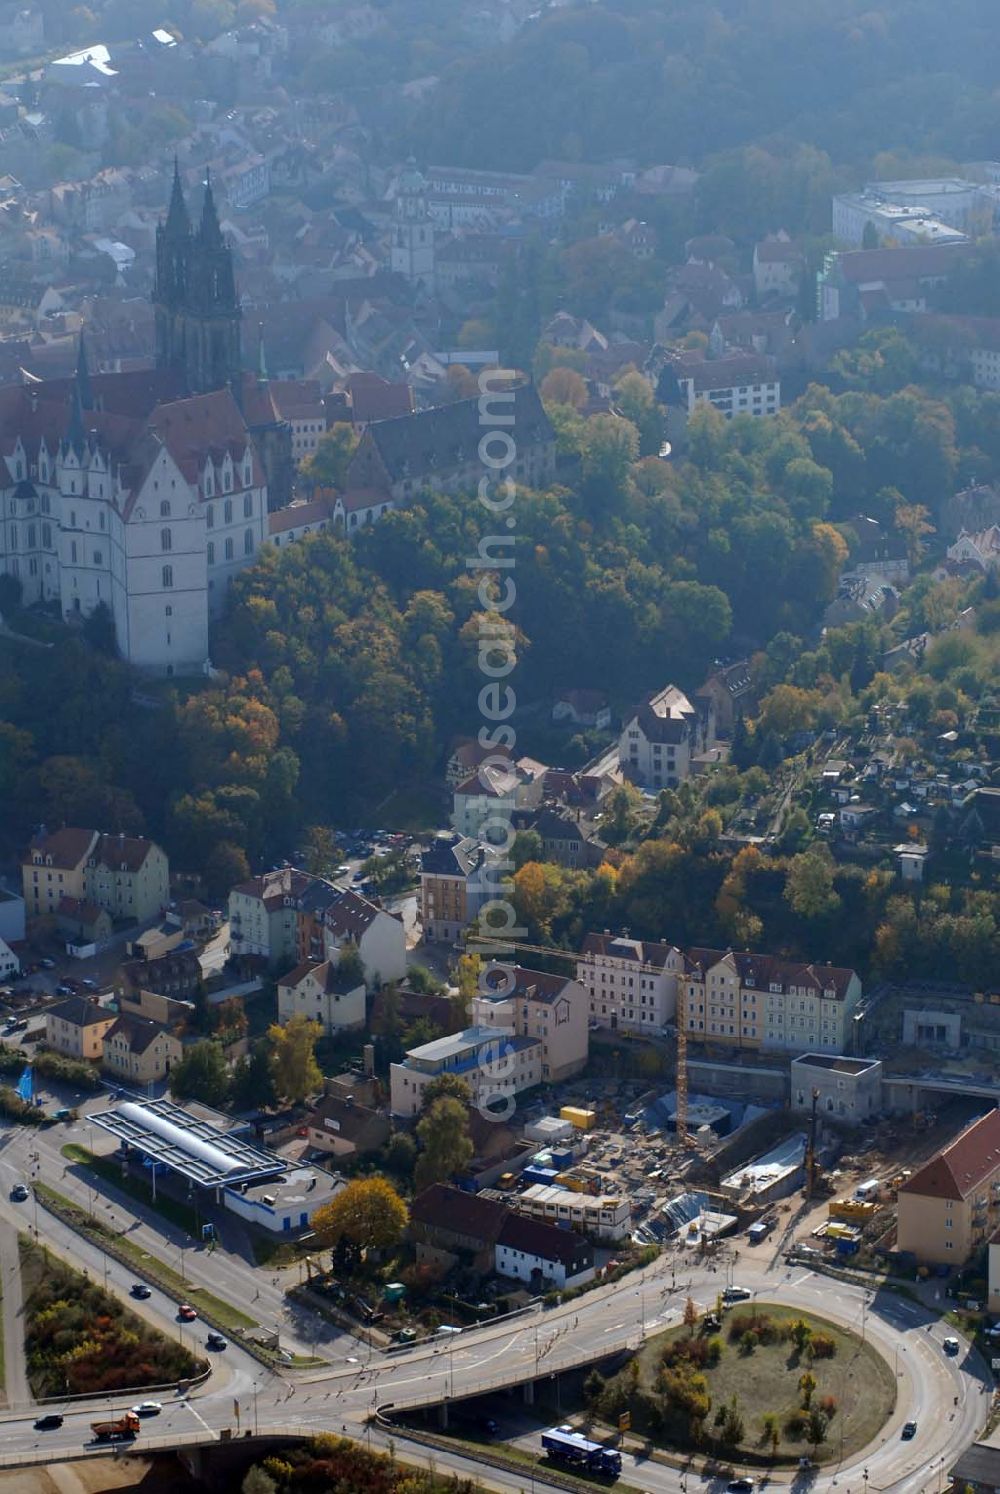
195	301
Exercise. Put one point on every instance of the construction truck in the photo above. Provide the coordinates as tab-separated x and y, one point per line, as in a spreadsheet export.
123	1427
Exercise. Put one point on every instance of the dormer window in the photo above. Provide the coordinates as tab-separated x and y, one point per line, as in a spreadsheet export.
165	509
209	484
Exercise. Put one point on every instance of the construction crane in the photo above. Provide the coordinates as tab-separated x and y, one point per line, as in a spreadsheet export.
505	947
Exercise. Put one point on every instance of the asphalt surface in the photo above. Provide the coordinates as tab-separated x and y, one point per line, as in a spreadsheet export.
343	1395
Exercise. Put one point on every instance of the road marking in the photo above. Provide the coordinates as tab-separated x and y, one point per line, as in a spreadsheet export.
614	1328
198	1417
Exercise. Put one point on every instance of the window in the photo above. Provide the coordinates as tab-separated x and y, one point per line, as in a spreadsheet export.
72	518
209	517
101	519
98	558
32	537
72	550
210	552
47	536
248	506
169	611
168	577
166	540
227	511
229	549
165	509
248	542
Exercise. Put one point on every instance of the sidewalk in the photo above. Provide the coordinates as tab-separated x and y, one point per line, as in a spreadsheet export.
15	1372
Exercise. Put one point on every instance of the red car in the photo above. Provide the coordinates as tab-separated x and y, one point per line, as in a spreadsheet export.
186	1313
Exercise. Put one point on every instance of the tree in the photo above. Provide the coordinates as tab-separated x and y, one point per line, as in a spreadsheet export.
621	812
611	445
368	1212
202	1074
446	1146
350	966
527	847
321	858
258	1481
225	867
329	462
800	1333
252	1081
807	1386
467	975
690	1316
294	1068
445	1087
770	1425
817	1426
809	886
563	386
99	630
401	1155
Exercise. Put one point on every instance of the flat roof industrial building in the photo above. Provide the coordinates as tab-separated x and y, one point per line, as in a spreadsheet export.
194	1148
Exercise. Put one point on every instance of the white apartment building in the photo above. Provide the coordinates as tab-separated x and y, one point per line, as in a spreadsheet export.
549	1009
742	1000
315	989
734	384
659	741
108	495
263	916
631	984
496	1067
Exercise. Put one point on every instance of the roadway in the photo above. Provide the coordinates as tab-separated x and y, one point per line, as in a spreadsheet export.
343	1395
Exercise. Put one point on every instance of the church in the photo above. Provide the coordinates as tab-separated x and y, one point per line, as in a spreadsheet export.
147	492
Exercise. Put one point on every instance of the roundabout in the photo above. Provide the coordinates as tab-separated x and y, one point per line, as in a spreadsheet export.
944	1395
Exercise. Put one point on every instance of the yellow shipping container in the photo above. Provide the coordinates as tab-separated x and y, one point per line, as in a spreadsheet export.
583	1120
851	1208
571	1181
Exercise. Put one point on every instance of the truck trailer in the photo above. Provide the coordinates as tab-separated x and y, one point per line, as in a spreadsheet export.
566	1446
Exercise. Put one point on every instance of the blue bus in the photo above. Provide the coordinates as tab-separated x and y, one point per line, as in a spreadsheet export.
567	1446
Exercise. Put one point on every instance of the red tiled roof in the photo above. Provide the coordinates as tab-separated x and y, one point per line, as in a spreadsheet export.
67	848
963	1165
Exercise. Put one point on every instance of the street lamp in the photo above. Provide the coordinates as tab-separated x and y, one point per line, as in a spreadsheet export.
255	1408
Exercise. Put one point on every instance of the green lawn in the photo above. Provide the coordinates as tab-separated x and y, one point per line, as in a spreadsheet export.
146	1265
171	1209
764	1381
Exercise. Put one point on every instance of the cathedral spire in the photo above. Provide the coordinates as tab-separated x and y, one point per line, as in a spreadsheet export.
262	374
76	435
211	233
178	221
82	378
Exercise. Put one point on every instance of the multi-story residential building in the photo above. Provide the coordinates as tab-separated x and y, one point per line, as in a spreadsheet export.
263	916
742	1000
496	1067
319	991
547	1009
140	1052
948	1208
54	868
76	1027
536	1252
982	549
457	876
631	984
288	916
737	383
897	209
128	876
488	794
660	739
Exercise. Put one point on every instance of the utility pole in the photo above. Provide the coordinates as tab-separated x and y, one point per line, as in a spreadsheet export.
681	1112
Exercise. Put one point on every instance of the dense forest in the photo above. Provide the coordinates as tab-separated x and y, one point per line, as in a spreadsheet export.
661	80
347	667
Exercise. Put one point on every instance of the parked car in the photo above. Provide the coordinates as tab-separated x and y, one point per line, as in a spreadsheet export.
47	964
49	1422
740	1486
951	1346
62	989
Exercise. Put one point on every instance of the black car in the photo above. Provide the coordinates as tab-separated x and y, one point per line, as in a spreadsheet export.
140	1289
49	1422
216	1341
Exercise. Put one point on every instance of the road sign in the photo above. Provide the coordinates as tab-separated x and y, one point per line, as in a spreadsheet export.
236	1407
625	1421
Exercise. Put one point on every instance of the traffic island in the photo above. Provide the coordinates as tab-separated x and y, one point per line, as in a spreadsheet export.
759	1385
80	1340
